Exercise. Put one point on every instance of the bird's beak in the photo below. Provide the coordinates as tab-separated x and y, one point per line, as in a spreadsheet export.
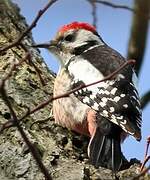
51	45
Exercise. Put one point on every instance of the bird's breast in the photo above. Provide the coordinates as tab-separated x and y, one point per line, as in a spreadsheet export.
68	111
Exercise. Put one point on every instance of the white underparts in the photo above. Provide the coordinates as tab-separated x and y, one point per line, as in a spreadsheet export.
83	70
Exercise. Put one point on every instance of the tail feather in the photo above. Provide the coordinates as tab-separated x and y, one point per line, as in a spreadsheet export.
105	151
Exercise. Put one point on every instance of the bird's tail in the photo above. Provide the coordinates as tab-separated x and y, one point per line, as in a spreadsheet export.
105	151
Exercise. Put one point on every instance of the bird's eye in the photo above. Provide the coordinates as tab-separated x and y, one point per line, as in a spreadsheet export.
69	38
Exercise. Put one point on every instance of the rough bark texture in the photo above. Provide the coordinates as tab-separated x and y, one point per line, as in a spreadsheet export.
139	30
62	152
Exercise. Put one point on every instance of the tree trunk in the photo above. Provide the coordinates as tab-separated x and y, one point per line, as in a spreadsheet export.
62	152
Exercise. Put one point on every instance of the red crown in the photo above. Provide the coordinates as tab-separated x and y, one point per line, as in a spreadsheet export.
77	25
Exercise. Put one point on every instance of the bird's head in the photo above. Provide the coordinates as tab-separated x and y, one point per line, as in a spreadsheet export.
72	39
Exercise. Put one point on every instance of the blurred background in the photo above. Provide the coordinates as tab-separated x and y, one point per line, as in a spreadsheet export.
113	24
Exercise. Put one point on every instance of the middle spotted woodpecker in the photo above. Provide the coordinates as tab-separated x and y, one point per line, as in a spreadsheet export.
107	111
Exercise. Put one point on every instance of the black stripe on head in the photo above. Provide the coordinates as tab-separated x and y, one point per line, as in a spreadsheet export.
79	50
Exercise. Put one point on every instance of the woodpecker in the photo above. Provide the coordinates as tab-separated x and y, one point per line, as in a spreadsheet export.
108	111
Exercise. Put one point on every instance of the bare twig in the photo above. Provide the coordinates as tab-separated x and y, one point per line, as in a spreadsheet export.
145	99
94	12
34	23
142	173
147	146
146	157
117	6
50	99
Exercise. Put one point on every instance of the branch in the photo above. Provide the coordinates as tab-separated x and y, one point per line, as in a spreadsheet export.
145	99
50	99
141	174
118	6
94	12
33	24
114	5
146	156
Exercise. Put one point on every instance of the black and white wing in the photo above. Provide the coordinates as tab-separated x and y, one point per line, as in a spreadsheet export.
117	100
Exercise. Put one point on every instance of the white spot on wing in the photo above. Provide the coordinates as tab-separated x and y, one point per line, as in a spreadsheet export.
95	106
117	98
105	113
111	83
134	97
86	100
104	99
102	104
137	100
137	108
136	93
113	119
113	91
106	92
122	126
101	91
120	76
112	109
80	91
119	117
122	95
125	105
92	96
113	116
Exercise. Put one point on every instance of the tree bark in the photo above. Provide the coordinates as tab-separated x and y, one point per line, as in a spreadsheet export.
63	152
